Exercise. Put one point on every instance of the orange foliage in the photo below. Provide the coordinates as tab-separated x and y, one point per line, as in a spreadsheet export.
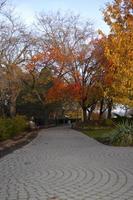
34	60
51	55
61	91
105	65
57	91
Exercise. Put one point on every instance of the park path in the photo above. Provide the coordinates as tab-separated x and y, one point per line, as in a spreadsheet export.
64	164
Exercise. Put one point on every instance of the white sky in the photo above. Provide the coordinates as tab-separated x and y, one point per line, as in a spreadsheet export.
86	8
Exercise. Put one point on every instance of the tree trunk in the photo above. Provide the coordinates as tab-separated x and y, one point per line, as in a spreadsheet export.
13	108
2	111
110	105
84	114
89	115
101	109
90	111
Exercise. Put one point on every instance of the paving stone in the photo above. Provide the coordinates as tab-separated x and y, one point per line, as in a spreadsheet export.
64	164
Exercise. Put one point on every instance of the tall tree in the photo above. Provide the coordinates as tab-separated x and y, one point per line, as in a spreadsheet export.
118	48
66	47
14	48
106	77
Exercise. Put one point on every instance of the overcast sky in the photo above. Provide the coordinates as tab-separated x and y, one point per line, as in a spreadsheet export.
86	8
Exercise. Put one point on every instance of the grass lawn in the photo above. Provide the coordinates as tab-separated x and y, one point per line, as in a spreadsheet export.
99	133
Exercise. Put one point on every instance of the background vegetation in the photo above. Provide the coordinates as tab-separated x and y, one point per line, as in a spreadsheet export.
61	65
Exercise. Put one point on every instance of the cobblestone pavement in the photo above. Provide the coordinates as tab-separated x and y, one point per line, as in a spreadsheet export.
63	164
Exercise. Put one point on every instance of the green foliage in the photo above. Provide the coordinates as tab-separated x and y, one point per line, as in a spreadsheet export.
19	124
12	127
101	134
123	134
107	122
120	119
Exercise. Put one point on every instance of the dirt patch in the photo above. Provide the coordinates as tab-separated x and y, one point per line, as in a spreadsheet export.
10	145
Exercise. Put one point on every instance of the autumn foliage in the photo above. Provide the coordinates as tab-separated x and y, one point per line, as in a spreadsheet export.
68	62
118	48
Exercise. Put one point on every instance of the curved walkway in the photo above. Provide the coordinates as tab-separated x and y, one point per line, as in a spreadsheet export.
64	164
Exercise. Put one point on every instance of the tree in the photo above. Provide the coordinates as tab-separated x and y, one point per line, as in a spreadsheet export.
15	44
66	48
2	4
33	98
105	76
118	48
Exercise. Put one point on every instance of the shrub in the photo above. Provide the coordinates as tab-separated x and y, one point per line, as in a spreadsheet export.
107	122
4	133
12	127
120	119
123	134
20	124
